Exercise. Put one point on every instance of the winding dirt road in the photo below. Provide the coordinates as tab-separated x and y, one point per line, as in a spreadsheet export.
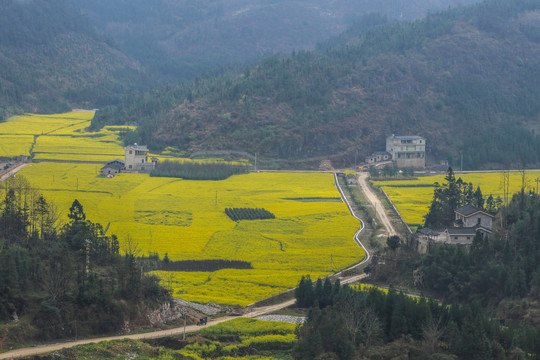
377	205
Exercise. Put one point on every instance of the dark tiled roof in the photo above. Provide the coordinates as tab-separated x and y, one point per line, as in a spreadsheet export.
468	210
137	147
428	232
461	231
115	166
116	161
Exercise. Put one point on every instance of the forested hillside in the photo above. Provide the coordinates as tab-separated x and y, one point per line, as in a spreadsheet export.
50	56
466	79
180	39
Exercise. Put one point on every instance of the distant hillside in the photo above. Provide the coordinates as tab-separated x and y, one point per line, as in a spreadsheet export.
51	59
467	79
182	38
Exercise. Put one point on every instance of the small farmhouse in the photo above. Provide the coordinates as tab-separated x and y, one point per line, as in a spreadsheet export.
113	167
469	221
136	161
378	156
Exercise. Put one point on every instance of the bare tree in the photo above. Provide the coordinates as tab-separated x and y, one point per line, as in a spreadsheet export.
131	247
432	331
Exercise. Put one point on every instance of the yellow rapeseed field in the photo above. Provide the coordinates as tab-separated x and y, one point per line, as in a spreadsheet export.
186	220
413	197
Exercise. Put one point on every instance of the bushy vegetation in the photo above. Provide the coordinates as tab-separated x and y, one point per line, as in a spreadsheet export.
197	171
67	280
203	265
237	214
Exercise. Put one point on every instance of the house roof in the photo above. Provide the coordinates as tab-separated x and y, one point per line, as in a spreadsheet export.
428	232
116	161
469	210
407	137
113	165
461	230
381	153
137	147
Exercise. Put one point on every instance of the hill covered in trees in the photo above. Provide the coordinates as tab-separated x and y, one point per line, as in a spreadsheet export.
466	79
51	59
180	39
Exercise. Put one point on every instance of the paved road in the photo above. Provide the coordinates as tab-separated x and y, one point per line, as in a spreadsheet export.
377	205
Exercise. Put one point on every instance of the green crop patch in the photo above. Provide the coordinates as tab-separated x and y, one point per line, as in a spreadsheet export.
237	214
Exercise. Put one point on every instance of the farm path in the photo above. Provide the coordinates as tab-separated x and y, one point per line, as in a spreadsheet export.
12	171
255	312
42	349
377	204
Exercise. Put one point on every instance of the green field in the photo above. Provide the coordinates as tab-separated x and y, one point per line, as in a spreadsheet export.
412	198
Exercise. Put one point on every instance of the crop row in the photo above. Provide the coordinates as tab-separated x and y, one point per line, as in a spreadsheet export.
237	214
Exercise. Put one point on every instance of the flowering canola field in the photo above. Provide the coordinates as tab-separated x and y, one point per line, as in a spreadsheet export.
186	220
412	198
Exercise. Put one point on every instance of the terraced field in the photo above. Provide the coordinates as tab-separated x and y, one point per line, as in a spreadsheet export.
413	197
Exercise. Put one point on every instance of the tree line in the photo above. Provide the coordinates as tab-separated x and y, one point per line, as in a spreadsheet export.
69	280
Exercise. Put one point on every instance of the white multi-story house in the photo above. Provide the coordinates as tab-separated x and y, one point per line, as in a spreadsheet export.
407	151
137	159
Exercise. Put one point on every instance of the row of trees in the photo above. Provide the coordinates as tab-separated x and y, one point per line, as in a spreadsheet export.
197	171
237	214
69	280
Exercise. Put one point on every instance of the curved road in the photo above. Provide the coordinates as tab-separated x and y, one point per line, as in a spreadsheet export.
42	349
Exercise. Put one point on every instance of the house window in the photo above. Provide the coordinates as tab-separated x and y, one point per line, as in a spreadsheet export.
479	221
130	166
130	152
455	237
468	238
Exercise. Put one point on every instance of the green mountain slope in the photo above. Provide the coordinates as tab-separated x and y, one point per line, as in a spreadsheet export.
182	38
52	59
466	79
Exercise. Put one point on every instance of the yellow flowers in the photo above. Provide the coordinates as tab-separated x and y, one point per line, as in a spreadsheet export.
311	234
412	198
186	220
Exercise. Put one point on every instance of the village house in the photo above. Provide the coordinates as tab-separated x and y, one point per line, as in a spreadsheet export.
469	220
378	156
136	161
407	151
112	167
